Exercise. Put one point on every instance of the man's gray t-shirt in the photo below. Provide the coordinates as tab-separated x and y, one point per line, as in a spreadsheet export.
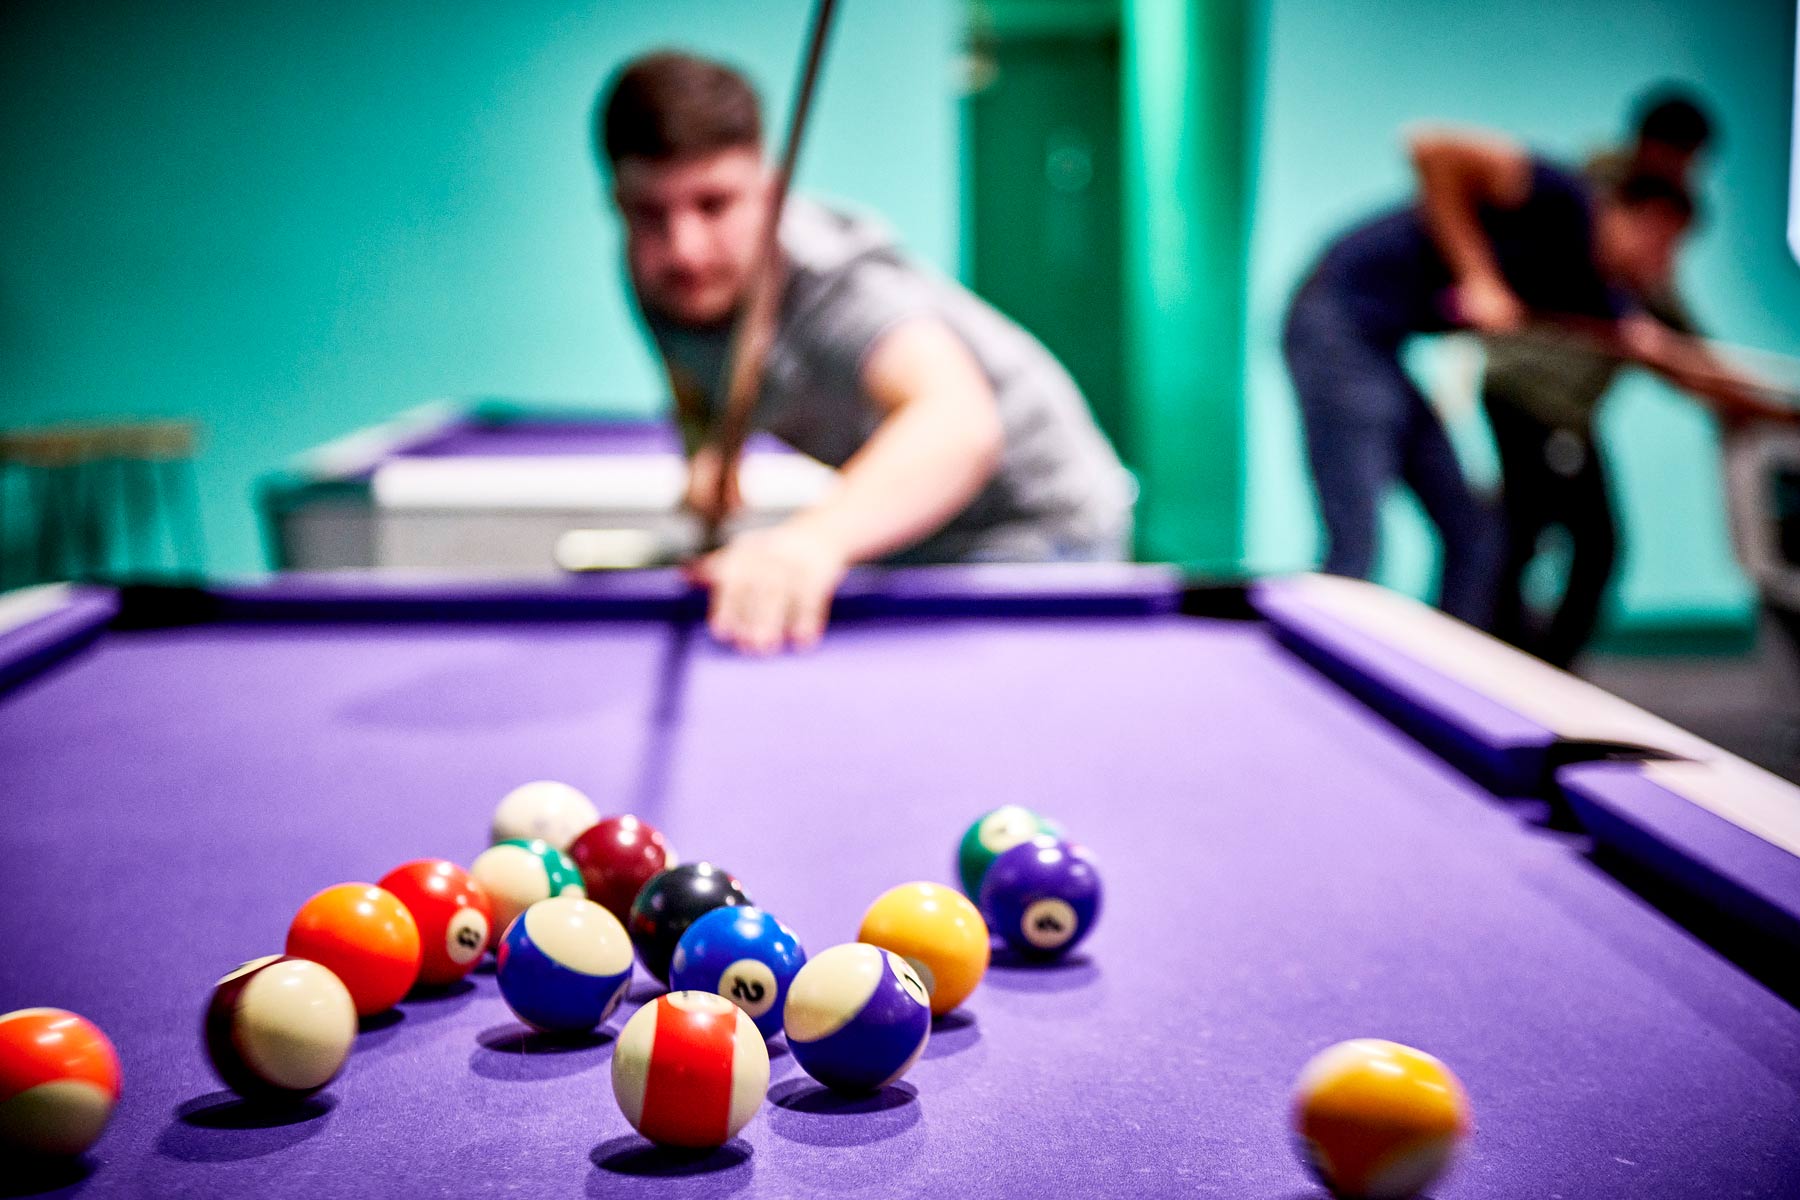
1059	491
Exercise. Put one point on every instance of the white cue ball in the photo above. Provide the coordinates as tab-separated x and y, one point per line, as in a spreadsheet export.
545	809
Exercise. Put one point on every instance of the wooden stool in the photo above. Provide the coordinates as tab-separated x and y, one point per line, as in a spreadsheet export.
61	489
97	496
155	462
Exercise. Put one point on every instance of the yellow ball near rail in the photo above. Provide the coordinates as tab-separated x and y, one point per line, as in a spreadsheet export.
938	931
1378	1120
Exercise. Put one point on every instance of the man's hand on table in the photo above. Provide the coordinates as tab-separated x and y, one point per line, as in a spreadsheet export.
772	588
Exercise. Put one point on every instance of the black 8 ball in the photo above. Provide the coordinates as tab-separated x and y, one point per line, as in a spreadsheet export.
670	902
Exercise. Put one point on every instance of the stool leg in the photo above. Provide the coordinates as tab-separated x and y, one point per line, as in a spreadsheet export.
6	543
184	495
7	478
38	487
120	517
140	507
53	550
90	499
79	559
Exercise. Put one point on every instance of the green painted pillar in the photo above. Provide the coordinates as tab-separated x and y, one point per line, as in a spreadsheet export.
1189	170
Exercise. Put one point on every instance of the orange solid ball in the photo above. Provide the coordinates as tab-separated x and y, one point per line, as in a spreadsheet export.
366	937
59	1080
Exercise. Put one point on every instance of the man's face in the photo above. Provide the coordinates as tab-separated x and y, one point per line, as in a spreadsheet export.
1665	159
691	230
1637	245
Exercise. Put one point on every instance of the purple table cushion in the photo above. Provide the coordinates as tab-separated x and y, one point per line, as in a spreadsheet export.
1651	823
74	618
1500	748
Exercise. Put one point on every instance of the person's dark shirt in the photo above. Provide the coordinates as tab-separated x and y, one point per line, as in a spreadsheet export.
1397	282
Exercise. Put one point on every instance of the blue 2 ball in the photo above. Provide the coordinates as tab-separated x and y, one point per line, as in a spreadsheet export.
744	955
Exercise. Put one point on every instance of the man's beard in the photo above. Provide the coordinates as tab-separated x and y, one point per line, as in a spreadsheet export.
652	302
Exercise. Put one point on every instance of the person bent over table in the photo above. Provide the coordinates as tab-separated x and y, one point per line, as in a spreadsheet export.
958	436
1494	237
1541	394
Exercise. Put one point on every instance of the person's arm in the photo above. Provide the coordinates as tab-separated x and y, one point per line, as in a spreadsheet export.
1458	174
938	444
1691	365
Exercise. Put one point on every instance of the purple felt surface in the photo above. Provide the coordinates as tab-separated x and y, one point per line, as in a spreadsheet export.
1717	861
1285	868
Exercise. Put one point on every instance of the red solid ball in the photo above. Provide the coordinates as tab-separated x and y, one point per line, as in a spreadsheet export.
453	912
616	858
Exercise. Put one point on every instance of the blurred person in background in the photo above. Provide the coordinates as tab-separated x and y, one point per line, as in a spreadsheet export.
957	435
1494	237
1541	393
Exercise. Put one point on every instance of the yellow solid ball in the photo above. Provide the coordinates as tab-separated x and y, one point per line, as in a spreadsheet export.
938	931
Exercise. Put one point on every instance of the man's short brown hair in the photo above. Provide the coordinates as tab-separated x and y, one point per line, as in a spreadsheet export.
670	105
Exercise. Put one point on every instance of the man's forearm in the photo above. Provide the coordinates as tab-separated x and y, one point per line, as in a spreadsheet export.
1449	204
924	465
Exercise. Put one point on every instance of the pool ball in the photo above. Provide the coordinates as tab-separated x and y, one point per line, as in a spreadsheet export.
616	858
453	913
366	937
938	931
59	1080
994	834
1042	897
518	873
689	1069
564	964
543	809
857	1017
279	1028
744	955
1377	1119
670	902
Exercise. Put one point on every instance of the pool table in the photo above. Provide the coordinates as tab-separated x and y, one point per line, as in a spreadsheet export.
1322	811
488	486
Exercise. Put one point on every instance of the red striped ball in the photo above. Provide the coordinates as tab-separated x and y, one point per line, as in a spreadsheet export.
690	1069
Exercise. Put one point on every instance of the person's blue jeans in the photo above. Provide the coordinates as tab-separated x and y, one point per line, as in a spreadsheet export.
1367	428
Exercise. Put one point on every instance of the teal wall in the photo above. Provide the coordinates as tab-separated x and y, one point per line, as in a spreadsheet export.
291	220
1343	78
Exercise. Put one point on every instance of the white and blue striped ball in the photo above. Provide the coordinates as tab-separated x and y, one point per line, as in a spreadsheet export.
564	965
857	1017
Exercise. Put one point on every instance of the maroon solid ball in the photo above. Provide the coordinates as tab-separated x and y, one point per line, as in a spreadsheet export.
616	858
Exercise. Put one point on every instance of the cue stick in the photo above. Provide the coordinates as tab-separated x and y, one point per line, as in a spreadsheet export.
755	330
741	380
1602	337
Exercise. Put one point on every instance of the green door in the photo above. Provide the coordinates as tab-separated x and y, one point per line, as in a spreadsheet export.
1043	198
